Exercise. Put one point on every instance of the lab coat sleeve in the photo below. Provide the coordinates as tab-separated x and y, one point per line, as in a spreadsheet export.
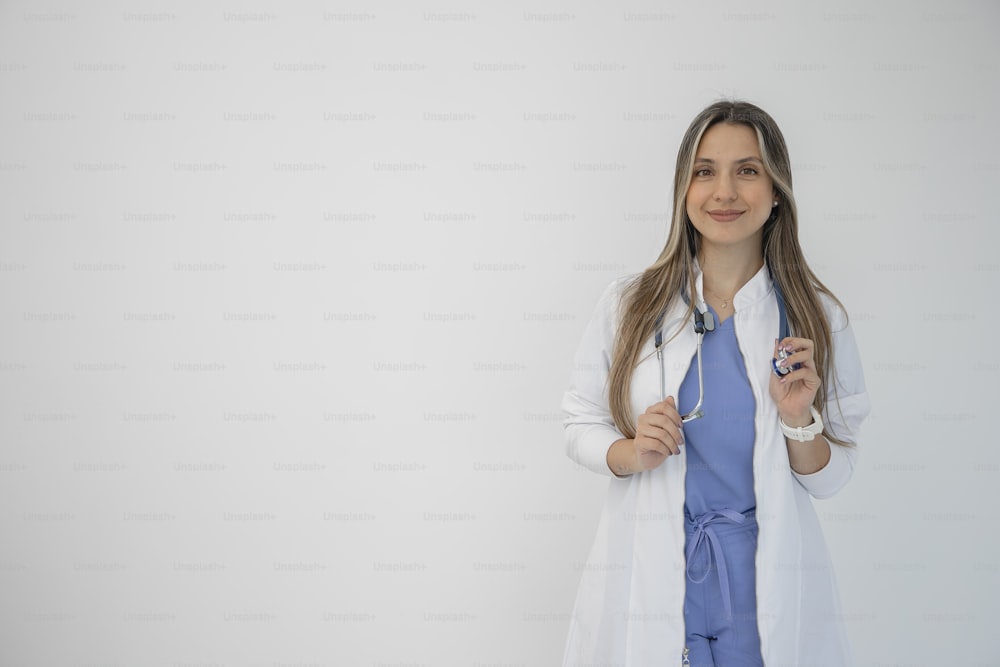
846	407
589	428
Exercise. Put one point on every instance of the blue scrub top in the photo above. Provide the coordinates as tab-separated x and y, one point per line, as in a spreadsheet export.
720	444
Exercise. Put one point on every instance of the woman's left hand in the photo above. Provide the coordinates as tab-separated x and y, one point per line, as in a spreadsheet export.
794	393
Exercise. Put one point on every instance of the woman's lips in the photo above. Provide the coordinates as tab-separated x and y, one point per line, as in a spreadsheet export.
725	216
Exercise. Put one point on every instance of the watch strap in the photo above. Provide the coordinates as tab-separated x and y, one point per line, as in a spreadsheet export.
803	433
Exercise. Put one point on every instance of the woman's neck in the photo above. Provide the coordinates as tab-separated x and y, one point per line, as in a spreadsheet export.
723	274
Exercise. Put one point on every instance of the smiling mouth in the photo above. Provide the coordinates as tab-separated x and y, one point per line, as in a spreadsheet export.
725	215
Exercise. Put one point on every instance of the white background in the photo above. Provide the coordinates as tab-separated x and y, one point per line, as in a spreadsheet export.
289	294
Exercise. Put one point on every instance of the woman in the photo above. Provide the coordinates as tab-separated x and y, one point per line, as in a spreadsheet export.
709	551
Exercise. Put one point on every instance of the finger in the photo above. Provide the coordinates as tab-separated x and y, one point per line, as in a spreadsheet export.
672	413
667	407
666	446
663	430
662	407
804	374
675	436
674	428
658	420
651	446
792	344
666	433
804	357
674	445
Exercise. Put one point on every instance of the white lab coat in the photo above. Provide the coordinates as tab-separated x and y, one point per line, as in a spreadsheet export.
629	606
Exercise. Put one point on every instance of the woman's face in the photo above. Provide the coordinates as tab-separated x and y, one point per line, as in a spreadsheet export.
730	196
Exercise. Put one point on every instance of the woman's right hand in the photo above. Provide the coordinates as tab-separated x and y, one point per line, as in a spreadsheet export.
659	434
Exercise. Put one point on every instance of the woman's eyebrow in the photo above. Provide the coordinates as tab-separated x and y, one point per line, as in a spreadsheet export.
740	161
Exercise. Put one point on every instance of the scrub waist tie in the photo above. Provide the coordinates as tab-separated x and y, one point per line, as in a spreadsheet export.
703	544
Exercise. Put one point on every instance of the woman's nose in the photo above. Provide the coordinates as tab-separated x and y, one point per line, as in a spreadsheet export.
724	189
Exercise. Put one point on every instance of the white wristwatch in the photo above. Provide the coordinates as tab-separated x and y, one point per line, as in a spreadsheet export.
804	433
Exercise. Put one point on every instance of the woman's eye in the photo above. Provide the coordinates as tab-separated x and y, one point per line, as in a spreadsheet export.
702	172
748	170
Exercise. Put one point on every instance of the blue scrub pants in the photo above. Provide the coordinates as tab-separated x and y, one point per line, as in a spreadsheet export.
720	604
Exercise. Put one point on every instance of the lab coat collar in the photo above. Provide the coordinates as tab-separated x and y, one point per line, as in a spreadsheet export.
759	287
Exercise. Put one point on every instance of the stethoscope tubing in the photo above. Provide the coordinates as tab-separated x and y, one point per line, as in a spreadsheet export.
700	326
696	411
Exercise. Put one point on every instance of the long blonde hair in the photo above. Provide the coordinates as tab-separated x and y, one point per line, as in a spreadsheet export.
650	293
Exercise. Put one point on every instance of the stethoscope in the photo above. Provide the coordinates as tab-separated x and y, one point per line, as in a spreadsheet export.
704	322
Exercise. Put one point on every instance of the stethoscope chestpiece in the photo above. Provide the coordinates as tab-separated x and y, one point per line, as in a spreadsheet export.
782	371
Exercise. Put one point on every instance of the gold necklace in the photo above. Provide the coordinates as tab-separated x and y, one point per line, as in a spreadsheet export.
724	301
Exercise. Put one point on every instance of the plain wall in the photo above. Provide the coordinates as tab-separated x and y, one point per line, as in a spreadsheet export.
289	295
